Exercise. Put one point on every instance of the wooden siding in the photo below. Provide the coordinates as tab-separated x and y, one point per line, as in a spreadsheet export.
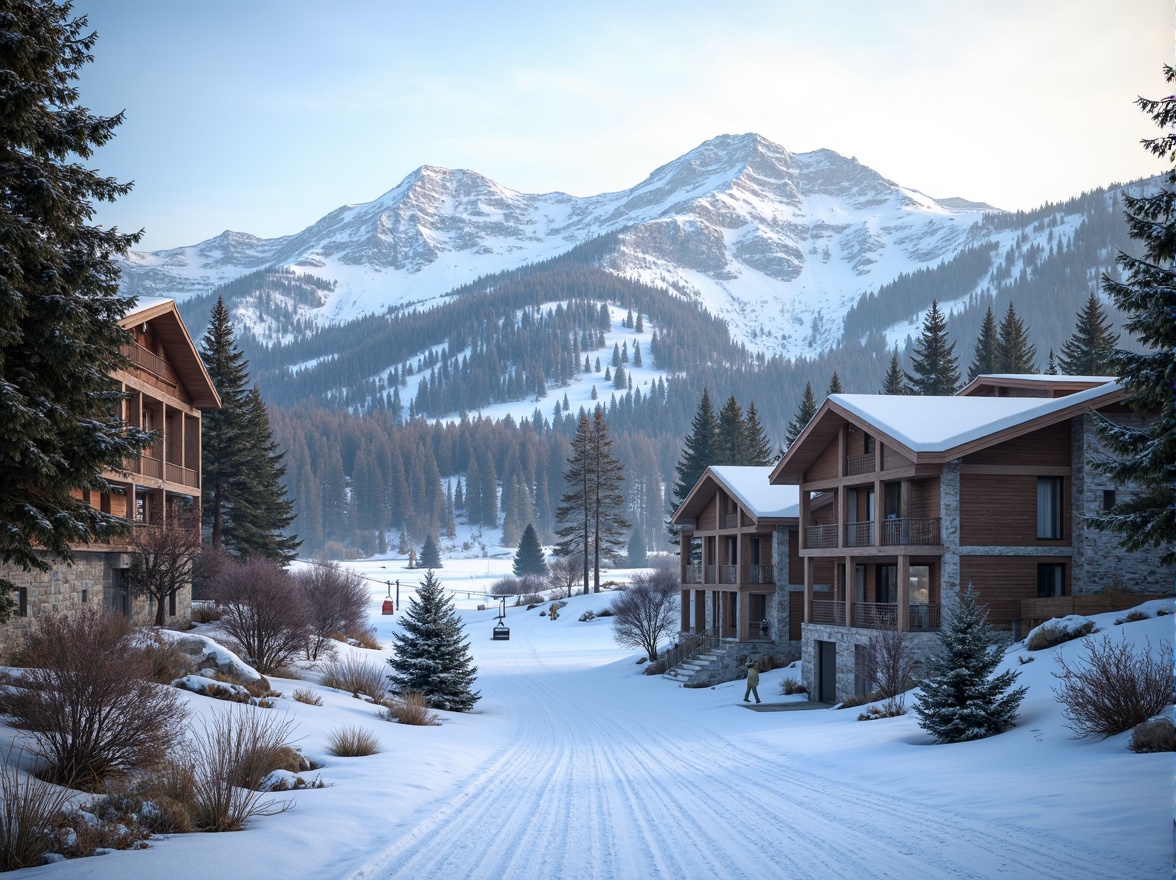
1047	447
826	465
998	510
892	458
1001	582
795	565
924	500
795	614
707	519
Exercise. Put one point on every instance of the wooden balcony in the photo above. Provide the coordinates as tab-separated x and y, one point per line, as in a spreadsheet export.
759	574
692	575
820	537
876	615
728	574
151	363
919	531
153	468
730	521
859	534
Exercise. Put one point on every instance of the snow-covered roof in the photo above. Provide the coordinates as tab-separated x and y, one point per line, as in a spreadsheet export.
147	303
936	424
751	488
1048	379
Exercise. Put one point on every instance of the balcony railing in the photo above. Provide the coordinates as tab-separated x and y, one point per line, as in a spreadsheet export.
730	521
708	574
910	530
149	466
859	464
760	574
828	612
151	363
859	534
692	574
875	615
728	574
820	537
182	475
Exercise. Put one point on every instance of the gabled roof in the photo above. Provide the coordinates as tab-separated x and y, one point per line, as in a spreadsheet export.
749	487
934	429
165	320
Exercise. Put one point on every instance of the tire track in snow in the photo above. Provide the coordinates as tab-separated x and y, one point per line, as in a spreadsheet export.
585	791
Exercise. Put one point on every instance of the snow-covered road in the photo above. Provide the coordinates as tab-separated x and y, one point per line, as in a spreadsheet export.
605	778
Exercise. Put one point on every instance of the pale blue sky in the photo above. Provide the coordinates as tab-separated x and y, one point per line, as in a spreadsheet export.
263	116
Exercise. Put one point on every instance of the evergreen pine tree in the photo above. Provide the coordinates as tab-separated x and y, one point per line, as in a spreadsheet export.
894	381
1145	453
804	414
1090	350
573	512
959	701
431	655
430	555
637	554
529	557
835	385
1014	354
1051	364
621	378
985	357
698	450
730	437
637	354
934	361
60	339
757	448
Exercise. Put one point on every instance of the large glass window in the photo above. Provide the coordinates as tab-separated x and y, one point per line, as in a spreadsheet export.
920	584
1051	580
1049	508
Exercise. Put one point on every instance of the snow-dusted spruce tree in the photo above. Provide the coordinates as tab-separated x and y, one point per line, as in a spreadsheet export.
430	554
959	701
529	557
60	339
1144	454
432	657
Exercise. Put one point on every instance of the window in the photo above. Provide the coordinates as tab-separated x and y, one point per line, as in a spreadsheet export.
868	442
171	603
22	602
887	588
1108	499
1049	508
1051	580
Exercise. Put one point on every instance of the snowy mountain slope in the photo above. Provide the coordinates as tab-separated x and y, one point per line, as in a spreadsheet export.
781	243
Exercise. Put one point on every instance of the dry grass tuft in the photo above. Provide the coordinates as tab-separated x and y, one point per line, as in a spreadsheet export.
410	708
789	686
356	676
306	695
353	742
29	808
1048	636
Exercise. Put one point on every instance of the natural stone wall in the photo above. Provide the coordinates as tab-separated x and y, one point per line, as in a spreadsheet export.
1099	560
845	639
949	507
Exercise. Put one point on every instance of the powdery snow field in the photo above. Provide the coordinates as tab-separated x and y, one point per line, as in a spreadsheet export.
575	765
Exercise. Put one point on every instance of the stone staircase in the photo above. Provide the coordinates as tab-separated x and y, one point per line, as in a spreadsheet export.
709	667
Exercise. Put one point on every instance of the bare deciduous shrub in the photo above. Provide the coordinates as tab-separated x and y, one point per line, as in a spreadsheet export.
352	742
306	695
886	710
1049	635
409	708
648	610
29	809
356	676
263	612
789	686
227	757
336	600
87	703
164	555
565	573
1113	688
167	661
859	700
889	663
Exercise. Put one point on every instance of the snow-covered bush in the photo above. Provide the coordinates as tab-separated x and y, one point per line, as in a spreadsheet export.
1055	632
1112	687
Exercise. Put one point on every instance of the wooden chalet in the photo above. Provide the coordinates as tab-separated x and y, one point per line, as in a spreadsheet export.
904	500
166	386
739	544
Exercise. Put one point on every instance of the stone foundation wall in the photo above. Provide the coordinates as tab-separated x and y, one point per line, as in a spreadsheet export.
846	638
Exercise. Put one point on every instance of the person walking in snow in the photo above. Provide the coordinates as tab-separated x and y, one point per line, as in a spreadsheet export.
752	683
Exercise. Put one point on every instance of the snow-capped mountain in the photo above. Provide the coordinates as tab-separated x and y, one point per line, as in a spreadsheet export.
779	244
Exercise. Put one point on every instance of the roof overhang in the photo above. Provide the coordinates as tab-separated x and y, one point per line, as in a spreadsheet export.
165	320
